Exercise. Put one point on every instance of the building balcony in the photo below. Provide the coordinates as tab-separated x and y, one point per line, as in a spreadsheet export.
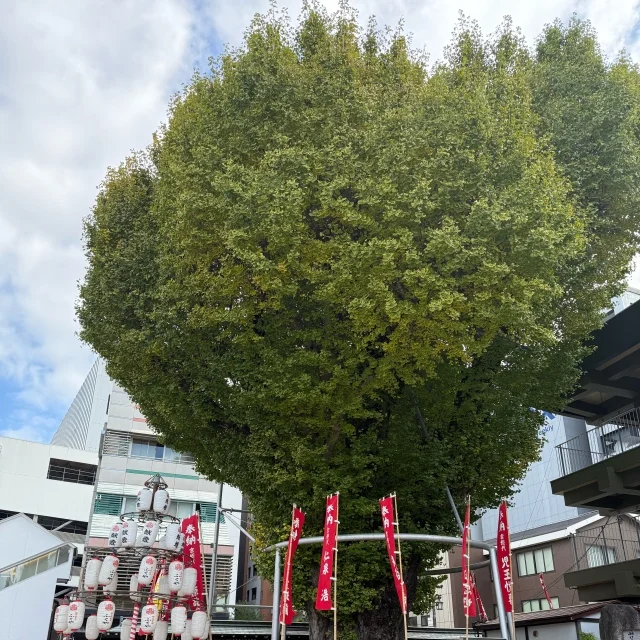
607	561
601	468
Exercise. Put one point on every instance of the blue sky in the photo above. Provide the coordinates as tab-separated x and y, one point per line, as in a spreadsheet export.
81	84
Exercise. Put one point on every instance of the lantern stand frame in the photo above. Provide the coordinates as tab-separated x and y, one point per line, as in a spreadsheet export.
371	537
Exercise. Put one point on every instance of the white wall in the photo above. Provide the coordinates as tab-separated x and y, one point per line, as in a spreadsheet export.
24	486
25	608
556	631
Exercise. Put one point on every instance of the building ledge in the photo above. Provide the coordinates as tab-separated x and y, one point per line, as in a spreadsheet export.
613	581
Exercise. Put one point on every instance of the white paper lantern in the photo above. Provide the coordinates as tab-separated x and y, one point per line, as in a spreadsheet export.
91	573
149	533
186	634
147	571
129	533
189	580
178	620
162	586
91	631
162	541
106	609
112	587
198	624
180	545
161	501
161	632
108	570
75	617
144	499
176	569
125	629
67	632
60	618
115	537
148	619
171	536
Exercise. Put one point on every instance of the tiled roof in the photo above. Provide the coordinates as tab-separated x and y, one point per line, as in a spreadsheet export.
564	614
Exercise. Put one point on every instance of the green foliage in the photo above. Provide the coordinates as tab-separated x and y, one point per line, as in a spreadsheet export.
585	635
326	237
246	613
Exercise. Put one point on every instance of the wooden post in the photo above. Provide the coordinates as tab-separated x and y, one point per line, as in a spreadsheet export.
397	525
204	576
466	557
287	570
335	572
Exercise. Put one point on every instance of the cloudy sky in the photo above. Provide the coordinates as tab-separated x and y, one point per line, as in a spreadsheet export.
82	82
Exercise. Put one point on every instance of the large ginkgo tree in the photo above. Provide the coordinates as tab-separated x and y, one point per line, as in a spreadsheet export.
338	268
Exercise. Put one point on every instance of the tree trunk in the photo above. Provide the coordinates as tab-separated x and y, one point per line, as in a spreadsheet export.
385	621
320	626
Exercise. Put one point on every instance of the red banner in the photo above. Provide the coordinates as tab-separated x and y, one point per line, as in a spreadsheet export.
286	601
192	556
482	613
504	558
467	587
324	600
388	523
546	593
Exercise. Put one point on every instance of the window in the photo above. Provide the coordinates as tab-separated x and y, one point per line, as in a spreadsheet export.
412	621
248	595
107	504
146	448
68	471
254	593
424	621
532	562
30	568
599	555
208	512
539	605
60	524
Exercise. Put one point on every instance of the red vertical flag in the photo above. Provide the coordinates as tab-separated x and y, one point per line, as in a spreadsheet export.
482	613
192	557
286	601
504	558
388	521
467	587
546	593
324	601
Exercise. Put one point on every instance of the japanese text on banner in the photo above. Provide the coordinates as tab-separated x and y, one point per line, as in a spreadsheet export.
467	587
192	557
504	558
324	601
388	519
286	602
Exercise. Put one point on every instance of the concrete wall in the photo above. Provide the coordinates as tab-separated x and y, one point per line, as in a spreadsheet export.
24	486
559	631
25	608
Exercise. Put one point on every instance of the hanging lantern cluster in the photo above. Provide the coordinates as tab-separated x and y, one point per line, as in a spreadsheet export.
161	590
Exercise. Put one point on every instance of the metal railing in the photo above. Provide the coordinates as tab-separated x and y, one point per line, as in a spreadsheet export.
71	474
619	434
617	541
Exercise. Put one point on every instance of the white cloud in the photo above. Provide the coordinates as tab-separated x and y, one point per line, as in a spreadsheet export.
82	83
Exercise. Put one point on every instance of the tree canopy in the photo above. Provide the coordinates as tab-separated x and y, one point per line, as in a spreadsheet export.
336	268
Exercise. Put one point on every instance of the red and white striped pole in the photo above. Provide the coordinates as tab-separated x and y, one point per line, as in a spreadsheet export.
134	621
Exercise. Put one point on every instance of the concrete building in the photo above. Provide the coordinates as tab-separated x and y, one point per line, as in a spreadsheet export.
129	452
53	485
32	562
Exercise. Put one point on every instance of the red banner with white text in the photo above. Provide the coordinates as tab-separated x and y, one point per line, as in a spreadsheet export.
286	601
388	523
467	586
192	557
482	613
324	601
546	593
504	558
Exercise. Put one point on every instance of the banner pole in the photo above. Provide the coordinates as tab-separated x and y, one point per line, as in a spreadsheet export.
512	597
404	606
335	571
285	584
468	561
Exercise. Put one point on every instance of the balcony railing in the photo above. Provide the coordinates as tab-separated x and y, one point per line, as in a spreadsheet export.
616	436
616	541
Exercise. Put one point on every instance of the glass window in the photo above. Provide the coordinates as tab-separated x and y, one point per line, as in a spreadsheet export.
412	621
170	455
184	509
540	604
598	555
159	452
47	562
140	448
254	593
108	504
28	569
129	504
532	562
